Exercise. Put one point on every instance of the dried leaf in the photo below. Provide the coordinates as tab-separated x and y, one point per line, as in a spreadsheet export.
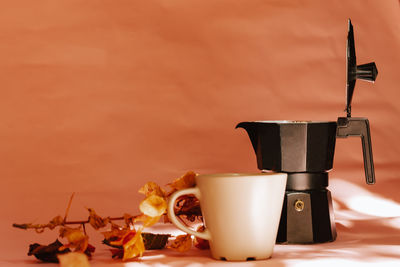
166	219
185	181
128	219
74	259
182	243
108	242
147	220
90	250
155	241
189	206
115	235
199	242
151	188
131	243
76	238
96	221
153	206
114	238
121	238
56	221
117	253
151	241
24	226
47	253
39	228
133	246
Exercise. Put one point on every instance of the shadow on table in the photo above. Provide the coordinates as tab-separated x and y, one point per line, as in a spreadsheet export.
193	257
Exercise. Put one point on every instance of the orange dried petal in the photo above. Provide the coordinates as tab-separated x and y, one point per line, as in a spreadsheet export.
153	206
151	188
134	247
182	243
96	221
69	231
147	220
185	181
56	221
115	235
122	237
76	239
199	242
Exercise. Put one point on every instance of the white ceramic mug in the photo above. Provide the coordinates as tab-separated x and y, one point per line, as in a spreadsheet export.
241	213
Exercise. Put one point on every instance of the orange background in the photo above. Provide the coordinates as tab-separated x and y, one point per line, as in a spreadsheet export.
99	97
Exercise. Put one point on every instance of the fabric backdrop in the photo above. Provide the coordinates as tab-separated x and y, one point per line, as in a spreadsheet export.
99	97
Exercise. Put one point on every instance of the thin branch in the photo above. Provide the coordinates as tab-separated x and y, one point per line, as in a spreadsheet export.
87	221
75	222
69	205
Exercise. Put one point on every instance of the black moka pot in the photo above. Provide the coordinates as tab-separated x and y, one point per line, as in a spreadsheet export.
304	150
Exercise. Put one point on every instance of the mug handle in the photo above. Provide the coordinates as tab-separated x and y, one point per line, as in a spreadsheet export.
171	213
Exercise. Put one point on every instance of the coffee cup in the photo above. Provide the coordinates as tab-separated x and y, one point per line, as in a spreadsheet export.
241	213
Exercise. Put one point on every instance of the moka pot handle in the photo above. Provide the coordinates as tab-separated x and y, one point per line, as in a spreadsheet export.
348	126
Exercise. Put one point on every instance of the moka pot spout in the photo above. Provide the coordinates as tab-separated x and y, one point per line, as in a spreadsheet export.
265	138
252	131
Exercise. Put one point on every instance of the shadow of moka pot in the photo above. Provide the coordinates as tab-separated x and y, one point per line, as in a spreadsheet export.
305	151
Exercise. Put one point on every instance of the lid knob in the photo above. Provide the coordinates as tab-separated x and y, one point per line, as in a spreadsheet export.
367	72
